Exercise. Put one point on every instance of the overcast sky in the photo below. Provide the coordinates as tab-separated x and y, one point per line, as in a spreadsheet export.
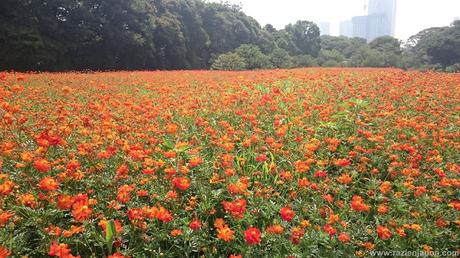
412	16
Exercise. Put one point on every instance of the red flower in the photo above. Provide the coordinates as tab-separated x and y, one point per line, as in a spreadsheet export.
181	183
252	236
261	158
235	208
287	214
116	255
342	162
328	228
195	224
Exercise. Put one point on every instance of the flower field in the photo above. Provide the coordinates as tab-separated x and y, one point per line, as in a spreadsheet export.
276	163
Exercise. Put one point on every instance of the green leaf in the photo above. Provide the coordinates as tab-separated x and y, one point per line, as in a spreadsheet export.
109	234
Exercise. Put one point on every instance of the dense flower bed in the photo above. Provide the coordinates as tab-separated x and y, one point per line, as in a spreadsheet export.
319	162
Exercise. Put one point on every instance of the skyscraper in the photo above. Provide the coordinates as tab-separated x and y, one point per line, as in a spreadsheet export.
380	20
360	26
386	9
346	28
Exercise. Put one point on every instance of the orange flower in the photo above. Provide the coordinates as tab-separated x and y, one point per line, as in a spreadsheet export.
275	229
382	209
28	200
296	234
164	215
4	252
302	166
48	184
219	223
72	231
181	183
357	204
124	193
195	161
65	202
342	162
53	230
60	250
6	187
400	232
345	179
4	217
225	233
176	232
455	205
171	128
343	237
383	232
81	210
116	255
42	165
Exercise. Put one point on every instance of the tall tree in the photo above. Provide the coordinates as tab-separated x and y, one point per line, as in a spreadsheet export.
305	35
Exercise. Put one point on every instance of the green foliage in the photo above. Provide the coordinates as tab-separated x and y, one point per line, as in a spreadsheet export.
436	46
305	36
330	58
229	61
253	57
280	58
390	48
304	61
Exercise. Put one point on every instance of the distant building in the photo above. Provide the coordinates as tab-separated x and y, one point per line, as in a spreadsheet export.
386	10
359	24
346	28
378	25
324	28
380	20
457	18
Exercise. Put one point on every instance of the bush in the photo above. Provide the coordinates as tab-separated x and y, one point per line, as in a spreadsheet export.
229	61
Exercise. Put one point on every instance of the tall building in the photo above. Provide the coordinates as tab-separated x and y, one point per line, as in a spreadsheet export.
324	28
346	28
386	9
378	25
457	18
380	20
360	25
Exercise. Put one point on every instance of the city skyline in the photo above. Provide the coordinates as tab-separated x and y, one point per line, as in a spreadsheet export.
412	16
380	20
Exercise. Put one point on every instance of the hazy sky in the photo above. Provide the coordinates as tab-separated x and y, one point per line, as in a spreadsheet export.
412	16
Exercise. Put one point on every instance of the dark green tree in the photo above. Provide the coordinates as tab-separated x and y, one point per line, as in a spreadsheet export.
306	37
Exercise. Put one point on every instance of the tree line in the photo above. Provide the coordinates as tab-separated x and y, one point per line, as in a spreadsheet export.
58	35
